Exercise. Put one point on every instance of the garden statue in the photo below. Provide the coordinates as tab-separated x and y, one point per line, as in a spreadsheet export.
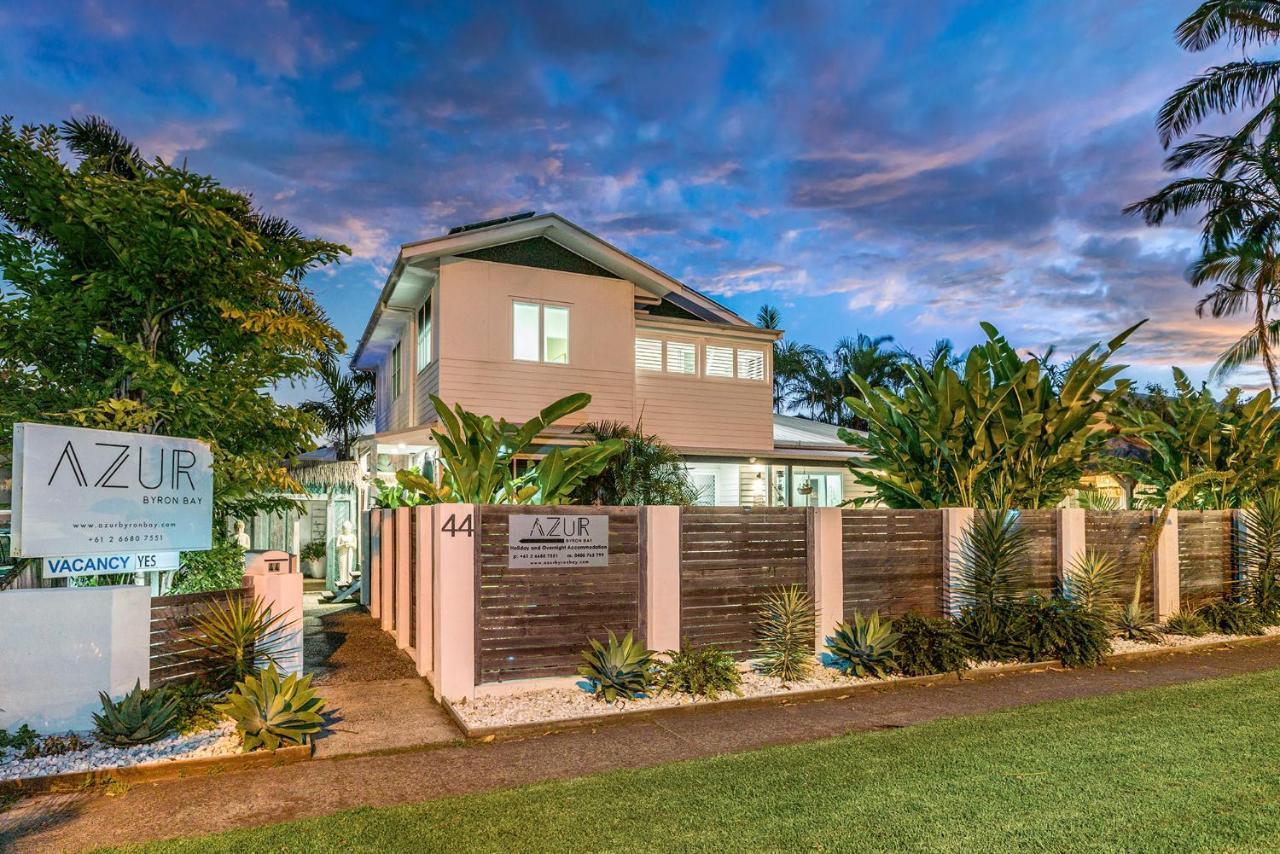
241	538
346	545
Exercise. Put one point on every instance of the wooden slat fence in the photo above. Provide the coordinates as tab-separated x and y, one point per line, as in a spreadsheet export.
1206	569
536	621
173	658
730	559
1042	550
1122	534
892	561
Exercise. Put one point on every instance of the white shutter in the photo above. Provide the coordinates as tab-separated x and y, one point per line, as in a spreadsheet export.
682	358
648	354
751	364
719	361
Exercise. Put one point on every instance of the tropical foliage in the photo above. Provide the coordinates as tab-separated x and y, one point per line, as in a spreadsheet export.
1260	555
699	672
141	296
1193	434
645	471
928	645
1061	629
478	454
996	432
219	568
238	634
864	647
347	406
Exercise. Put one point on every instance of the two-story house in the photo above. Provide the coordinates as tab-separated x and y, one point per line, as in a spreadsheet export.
505	316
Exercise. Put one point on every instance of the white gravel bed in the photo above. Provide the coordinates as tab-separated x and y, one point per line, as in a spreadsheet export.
1121	645
222	740
557	704
549	705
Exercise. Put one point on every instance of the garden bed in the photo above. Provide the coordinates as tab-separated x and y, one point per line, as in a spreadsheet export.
524	713
221	740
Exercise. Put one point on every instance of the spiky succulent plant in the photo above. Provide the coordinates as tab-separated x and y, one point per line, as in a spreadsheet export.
271	712
785	631
140	717
1134	622
864	647
620	669
1185	622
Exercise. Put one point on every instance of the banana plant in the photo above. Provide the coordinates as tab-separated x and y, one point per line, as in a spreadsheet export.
477	455
1192	432
998	431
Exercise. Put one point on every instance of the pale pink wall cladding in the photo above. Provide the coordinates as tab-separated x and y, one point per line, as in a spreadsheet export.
476	364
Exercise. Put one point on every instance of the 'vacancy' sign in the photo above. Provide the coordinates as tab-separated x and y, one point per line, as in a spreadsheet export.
553	541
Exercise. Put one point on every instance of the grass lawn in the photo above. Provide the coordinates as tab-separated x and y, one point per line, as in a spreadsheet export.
1188	768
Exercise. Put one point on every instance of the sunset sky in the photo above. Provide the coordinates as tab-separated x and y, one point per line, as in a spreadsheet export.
904	168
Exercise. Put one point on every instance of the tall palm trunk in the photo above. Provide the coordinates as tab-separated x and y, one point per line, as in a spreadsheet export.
1261	294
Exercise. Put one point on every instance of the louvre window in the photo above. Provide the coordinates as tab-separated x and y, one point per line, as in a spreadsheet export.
424	335
751	364
648	354
682	358
395	372
719	361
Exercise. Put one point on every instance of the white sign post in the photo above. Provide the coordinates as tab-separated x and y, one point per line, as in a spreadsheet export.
98	492
555	541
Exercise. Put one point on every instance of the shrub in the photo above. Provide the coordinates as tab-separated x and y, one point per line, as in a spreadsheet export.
270	712
1260	555
196	706
219	568
929	645
704	672
990	633
237	633
313	550
1186	623
621	670
1232	618
141	717
785	632
20	739
1134	622
863	648
55	745
1061	629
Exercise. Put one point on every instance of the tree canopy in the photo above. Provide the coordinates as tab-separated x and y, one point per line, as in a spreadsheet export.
137	295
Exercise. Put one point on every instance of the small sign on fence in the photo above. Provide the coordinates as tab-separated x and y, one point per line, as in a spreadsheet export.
534	541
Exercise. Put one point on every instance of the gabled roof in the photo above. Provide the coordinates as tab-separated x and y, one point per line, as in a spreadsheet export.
414	273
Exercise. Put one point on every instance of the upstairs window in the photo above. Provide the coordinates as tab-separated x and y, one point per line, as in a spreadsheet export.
751	364
540	333
719	361
424	335
648	354
682	357
395	371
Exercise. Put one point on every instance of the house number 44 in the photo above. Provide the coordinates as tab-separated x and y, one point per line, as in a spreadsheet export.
453	527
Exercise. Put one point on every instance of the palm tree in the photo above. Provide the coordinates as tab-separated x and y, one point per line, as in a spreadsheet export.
1240	205
791	361
1243	83
647	471
822	392
348	405
1243	276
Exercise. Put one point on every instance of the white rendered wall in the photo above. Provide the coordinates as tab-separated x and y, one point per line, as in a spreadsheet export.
60	647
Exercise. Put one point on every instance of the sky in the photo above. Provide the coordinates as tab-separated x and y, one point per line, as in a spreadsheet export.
906	169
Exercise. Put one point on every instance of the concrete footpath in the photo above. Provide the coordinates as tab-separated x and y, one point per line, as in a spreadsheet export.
266	796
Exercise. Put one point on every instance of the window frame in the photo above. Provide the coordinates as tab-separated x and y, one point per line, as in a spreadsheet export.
425	359
542	306
396	370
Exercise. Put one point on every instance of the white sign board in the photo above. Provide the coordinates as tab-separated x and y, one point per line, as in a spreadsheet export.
96	492
112	564
558	541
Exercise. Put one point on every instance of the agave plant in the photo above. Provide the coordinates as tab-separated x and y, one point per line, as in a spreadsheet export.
622	669
271	712
239	634
785	632
1186	623
140	717
1135	622
864	647
991	560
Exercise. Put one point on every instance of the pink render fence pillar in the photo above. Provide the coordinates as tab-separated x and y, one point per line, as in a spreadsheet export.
955	521
1071	542
826	567
1164	569
454	528
370	595
424	643
281	592
660	574
386	570
403	568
